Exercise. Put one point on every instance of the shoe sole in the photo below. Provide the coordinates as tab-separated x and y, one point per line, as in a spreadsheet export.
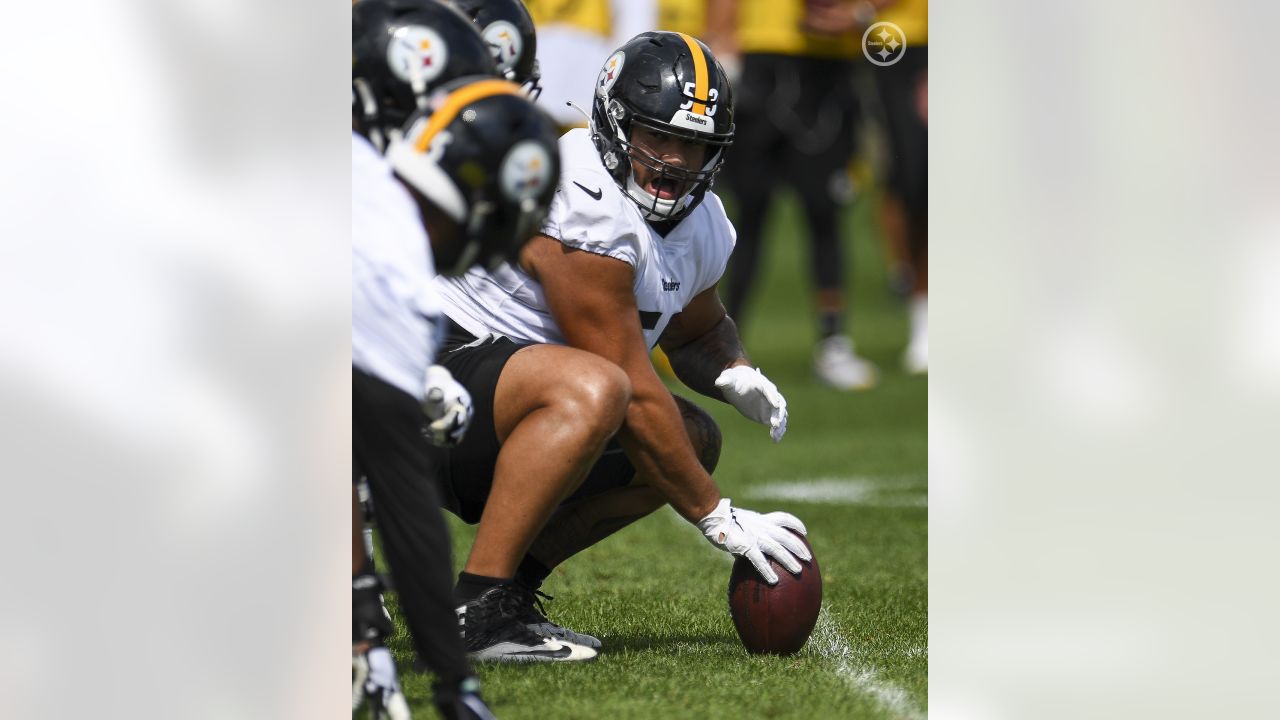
513	653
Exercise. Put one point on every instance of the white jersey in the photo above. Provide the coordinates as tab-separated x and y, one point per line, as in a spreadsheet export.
591	213
394	308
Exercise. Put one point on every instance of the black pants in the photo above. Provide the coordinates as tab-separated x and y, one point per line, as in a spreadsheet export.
795	120
908	171
389	450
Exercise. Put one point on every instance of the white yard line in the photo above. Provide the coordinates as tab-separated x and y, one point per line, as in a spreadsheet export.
867	491
827	642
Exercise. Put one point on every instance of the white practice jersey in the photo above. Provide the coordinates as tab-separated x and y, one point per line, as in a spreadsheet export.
394	308
591	213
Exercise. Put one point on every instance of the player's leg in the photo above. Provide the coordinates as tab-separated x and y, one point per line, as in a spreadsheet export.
542	416
748	171
915	193
818	169
612	497
904	208
555	408
389	451
357	537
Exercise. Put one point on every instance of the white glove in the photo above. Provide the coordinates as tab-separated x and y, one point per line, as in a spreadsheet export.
374	679
747	389
447	407
754	536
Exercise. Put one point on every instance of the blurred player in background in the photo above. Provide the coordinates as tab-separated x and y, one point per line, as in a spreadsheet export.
904	100
797	110
507	28
478	191
629	256
573	36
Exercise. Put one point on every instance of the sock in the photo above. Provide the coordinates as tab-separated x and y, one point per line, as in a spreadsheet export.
470	586
531	573
829	322
919	317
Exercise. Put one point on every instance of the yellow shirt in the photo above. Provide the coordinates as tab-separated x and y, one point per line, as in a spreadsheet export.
912	16
773	26
590	15
686	16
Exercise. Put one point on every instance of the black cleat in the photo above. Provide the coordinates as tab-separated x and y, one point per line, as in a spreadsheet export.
493	630
534	617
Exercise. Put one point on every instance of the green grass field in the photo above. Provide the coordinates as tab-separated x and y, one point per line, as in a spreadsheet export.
656	592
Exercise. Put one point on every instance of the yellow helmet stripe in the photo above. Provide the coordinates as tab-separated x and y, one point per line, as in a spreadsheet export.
458	99
701	84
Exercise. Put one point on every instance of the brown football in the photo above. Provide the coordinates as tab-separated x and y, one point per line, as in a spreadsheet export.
775	619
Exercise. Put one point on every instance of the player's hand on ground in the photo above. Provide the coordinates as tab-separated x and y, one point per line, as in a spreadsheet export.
757	537
758	399
374	682
447	407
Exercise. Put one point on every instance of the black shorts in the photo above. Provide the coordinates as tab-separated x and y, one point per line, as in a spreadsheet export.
908	171
795	119
466	472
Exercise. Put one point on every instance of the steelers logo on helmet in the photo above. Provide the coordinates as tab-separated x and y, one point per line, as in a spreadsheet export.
505	44
525	171
417	53
609	73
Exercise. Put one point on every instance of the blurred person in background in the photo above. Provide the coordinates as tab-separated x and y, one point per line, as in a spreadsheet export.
508	29
630	255
797	111
411	211
574	37
904	102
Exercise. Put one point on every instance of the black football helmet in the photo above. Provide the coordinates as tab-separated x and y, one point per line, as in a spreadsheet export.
487	158
508	29
669	83
400	51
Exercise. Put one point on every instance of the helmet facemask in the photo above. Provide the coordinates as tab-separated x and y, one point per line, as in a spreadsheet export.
688	186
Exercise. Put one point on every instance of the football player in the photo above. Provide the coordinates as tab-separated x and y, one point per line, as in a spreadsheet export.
478	182
799	114
400	51
628	258
509	32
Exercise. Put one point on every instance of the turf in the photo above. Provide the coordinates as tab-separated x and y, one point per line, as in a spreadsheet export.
656	592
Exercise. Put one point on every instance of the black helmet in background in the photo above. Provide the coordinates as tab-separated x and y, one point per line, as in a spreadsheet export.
401	50
508	29
484	156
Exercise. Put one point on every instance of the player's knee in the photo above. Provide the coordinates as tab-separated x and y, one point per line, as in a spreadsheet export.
703	432
600	396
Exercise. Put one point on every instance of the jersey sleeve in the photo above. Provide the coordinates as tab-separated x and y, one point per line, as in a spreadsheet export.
582	221
721	238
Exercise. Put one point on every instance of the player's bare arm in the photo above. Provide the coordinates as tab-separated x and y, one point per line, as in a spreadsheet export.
592	300
701	342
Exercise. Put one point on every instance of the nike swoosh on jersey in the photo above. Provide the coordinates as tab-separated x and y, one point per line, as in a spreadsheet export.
595	194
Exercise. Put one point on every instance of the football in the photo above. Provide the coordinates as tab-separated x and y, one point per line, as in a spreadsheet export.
775	619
